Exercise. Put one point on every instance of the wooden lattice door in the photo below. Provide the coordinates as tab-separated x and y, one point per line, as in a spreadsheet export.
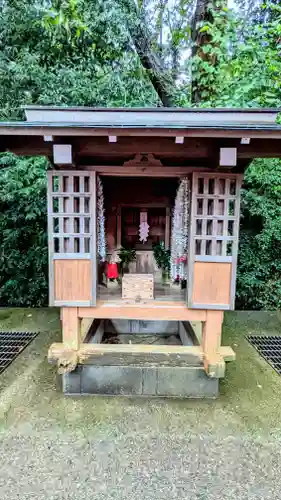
72	238
213	245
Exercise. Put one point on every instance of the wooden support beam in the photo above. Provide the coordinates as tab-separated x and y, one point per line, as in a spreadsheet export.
130	354
147	310
194	149
185	340
128	146
71	327
87	326
98	334
120	171
94	332
187	333
134	354
211	339
73	131
214	363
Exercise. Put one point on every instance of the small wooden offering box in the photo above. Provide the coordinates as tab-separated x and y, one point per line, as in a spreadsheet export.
138	286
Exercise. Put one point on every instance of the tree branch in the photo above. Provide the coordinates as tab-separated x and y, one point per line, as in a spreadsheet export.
159	76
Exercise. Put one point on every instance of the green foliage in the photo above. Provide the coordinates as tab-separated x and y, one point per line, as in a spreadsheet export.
76	52
162	256
259	269
126	255
23	244
72	53
238	64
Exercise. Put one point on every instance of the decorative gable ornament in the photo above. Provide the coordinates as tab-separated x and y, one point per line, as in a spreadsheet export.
144	227
143	160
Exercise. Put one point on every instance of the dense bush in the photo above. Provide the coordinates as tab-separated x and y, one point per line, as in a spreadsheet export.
23	224
76	52
259	268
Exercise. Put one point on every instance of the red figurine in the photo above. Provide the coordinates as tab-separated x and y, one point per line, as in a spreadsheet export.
112	271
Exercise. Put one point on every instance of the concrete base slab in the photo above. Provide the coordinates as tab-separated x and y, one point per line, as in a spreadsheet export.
181	382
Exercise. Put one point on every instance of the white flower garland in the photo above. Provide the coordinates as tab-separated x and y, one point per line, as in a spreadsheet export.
101	222
180	231
144	227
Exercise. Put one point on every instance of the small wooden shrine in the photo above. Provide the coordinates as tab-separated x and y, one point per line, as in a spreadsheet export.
143	224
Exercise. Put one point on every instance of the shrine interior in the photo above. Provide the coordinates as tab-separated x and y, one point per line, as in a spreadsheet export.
127	202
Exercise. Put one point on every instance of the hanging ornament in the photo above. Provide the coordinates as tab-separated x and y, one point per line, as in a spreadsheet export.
144	227
101	222
180	232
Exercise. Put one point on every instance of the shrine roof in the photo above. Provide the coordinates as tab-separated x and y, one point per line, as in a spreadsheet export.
197	122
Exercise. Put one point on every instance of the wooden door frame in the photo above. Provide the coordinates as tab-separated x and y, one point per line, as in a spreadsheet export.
71	256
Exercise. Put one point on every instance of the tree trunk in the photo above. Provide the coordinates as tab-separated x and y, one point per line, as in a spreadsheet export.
159	76
203	15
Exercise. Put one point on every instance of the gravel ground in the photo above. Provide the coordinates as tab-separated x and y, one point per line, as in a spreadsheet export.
53	447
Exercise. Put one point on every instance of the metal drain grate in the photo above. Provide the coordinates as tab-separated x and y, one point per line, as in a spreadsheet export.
269	348
11	344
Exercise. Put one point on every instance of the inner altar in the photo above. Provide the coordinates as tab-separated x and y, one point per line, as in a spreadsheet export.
140	221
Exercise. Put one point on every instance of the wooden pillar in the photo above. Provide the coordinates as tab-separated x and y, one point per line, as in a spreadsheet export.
211	338
119	226
167	228
71	327
211	341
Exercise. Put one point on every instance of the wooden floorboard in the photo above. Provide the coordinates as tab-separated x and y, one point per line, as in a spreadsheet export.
161	293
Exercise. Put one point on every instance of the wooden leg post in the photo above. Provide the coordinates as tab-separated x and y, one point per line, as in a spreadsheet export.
71	326
71	337
211	340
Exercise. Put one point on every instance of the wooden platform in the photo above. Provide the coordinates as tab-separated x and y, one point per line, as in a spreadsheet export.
143	370
161	293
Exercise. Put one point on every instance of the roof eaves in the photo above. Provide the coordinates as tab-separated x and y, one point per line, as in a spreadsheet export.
156	109
179	126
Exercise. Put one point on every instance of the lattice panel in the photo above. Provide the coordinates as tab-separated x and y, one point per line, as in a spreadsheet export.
213	243
215	215
71	198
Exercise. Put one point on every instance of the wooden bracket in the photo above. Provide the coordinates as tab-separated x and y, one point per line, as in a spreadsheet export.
214	365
